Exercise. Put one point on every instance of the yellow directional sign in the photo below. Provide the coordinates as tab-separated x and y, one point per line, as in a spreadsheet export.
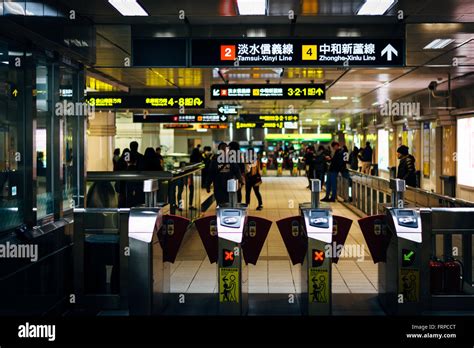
15	93
319	91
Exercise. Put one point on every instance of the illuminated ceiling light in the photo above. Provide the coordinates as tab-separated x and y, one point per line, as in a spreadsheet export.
331	120
128	7
339	98
252	7
376	103
258	32
308	120
375	7
438	44
325	101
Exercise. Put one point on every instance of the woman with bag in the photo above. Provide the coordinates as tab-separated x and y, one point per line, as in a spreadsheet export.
253	179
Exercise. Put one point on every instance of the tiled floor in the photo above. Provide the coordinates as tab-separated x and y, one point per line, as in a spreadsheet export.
274	273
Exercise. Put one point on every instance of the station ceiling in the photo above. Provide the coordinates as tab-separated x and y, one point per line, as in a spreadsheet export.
349	91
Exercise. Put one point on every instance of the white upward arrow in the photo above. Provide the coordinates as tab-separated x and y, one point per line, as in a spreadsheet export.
389	50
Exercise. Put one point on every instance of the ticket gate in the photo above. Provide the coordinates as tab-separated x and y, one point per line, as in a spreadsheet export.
233	239
401	283
154	241
279	166
294	170
264	161
309	239
395	240
232	273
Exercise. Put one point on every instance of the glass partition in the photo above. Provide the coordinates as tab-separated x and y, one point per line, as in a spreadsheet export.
12	171
44	143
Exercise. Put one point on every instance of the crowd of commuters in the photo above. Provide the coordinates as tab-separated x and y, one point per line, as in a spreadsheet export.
328	162
323	163
218	172
215	174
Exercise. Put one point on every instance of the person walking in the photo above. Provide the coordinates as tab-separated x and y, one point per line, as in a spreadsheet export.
320	164
206	157
219	173
235	148
253	179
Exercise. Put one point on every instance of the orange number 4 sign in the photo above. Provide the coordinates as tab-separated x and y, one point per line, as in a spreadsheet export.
227	52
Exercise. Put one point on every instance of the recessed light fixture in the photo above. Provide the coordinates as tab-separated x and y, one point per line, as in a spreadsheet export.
252	7
325	101
376	103
128	7
339	98
438	44
331	120
375	7
309	120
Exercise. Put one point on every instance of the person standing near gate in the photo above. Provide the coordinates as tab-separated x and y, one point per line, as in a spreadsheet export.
366	158
336	166
253	179
406	168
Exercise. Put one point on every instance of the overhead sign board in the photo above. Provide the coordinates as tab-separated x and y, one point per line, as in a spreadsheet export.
326	137
159	52
214	126
178	126
267	91
351	51
185	118
280	125
269	117
146	102
228	109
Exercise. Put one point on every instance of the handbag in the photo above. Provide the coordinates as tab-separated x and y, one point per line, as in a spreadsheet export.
257	180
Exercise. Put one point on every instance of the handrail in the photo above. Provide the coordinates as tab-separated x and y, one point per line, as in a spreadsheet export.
413	195
143	175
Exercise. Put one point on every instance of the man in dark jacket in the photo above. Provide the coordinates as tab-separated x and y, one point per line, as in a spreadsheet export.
196	155
139	157
219	173
336	166
366	158
406	168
